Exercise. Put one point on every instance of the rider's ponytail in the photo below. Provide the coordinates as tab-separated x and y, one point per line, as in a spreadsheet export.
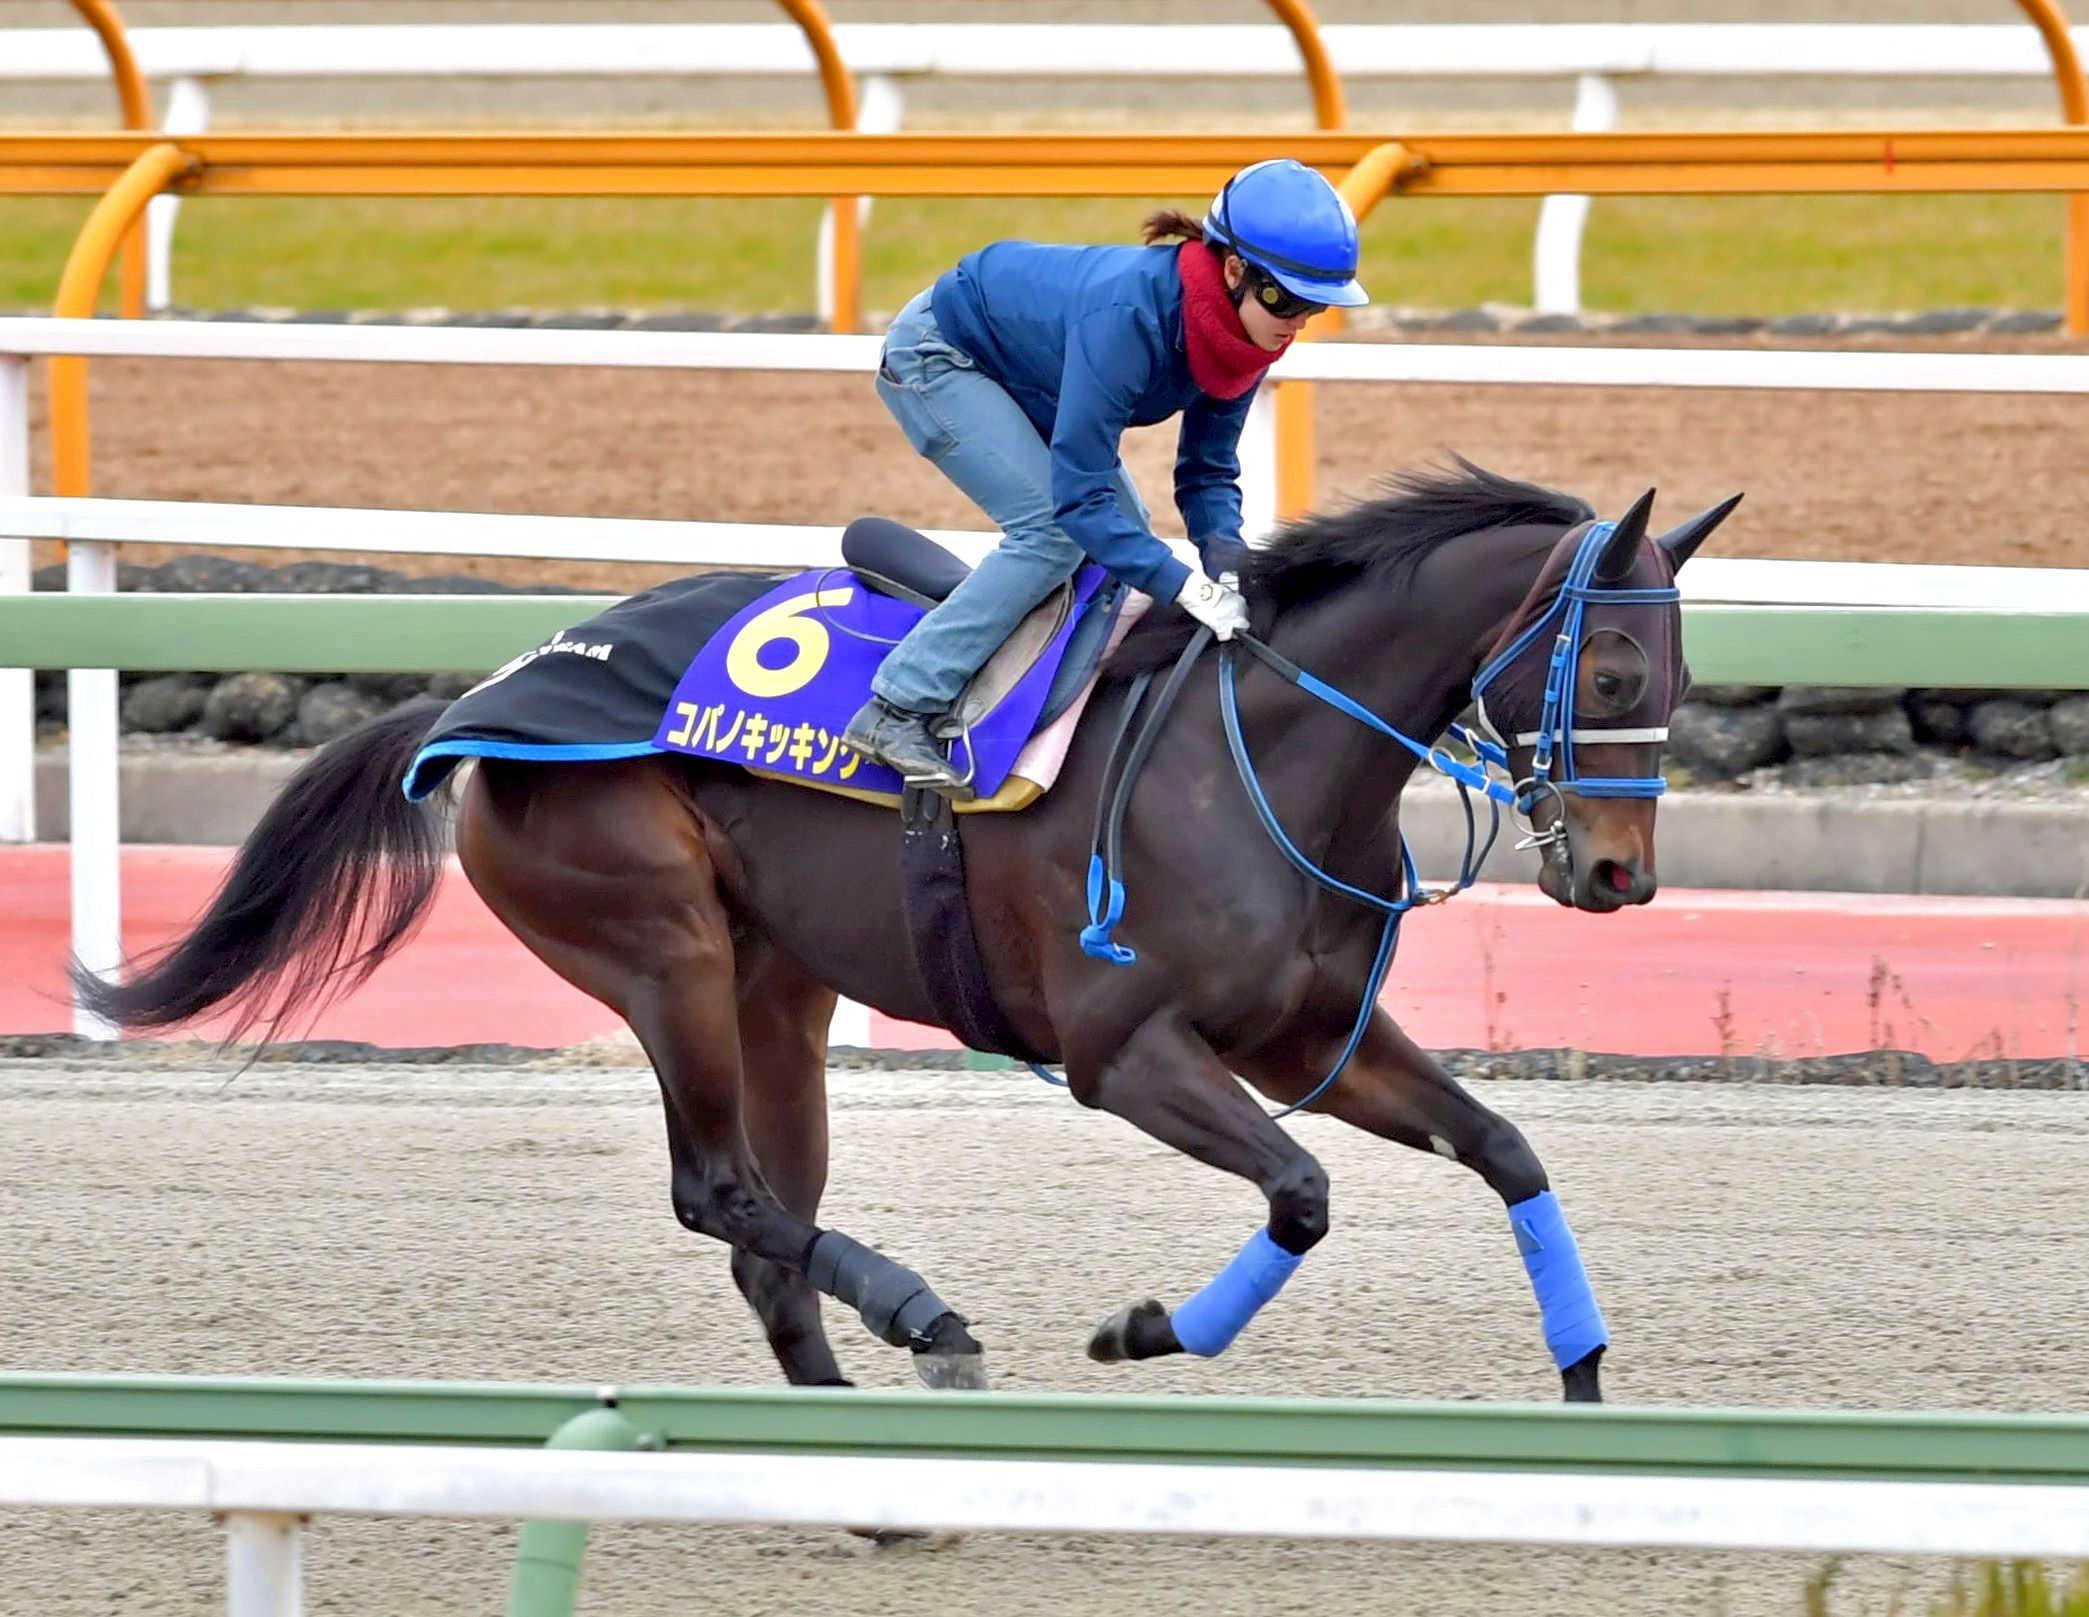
1170	222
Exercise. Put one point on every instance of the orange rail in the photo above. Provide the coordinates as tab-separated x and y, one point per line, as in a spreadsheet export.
1328	101
841	113
114	218
1329	109
1368	183
1368	167
2074	106
1375	176
136	101
1704	163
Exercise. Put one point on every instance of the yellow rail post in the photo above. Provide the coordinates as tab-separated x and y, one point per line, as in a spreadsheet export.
86	267
841	113
1380	170
2074	104
1293	401
137	114
1328	107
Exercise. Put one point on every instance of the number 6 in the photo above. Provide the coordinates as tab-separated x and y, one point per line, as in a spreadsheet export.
808	637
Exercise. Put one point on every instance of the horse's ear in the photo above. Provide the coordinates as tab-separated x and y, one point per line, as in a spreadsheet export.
1681	542
1623	548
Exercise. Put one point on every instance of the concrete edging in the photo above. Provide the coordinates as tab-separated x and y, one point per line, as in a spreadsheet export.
1972	847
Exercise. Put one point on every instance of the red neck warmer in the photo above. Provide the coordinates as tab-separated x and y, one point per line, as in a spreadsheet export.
1224	361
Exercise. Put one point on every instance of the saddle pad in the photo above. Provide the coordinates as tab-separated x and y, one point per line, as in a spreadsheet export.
776	686
592	691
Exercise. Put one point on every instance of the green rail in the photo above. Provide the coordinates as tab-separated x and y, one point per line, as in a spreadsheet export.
1760	1444
1742	645
1033	1426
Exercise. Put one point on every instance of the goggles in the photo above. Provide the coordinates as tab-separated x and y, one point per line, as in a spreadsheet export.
1279	300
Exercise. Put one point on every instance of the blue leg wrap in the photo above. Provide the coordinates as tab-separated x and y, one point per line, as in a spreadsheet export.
1207	1324
1573	1323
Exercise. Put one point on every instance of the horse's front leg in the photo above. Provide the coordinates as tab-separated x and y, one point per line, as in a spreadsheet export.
1165	1080
1398	1091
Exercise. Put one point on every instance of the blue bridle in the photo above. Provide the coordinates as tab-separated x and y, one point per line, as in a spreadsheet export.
1556	713
1554	738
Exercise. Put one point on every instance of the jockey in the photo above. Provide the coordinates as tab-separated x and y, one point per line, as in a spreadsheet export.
1017	373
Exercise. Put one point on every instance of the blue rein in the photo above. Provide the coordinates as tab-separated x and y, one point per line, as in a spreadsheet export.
1556	722
1413	893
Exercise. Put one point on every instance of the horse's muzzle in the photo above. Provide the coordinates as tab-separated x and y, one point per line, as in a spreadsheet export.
1598	869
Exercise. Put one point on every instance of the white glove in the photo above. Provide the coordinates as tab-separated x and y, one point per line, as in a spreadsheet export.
1215	604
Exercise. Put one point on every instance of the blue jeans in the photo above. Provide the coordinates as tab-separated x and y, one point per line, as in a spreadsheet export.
979	438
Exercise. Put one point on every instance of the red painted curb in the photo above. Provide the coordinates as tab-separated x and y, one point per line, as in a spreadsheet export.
1694	973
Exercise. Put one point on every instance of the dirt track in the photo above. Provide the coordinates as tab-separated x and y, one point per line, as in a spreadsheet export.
1871	477
1753	1246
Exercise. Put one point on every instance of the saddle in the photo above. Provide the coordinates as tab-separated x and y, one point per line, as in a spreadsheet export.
905	563
773	689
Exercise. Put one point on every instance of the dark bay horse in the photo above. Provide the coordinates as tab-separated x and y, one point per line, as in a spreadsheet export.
720	913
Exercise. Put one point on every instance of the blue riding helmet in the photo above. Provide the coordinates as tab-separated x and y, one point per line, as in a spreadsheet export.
1286	220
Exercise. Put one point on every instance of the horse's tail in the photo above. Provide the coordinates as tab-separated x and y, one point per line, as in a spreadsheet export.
333	879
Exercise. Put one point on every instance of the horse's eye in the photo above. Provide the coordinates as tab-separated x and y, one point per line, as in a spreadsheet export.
1613	673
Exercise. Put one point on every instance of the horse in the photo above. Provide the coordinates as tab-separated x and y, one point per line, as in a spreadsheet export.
720	913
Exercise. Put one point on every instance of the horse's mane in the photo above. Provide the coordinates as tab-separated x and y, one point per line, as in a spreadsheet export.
1385	538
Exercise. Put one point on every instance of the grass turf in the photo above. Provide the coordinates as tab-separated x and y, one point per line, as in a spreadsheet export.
1701	255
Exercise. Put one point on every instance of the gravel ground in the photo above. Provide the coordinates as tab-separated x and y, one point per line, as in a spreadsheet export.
1877	1248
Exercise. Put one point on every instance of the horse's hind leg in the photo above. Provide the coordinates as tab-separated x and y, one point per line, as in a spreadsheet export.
1396	1090
784	1015
604	871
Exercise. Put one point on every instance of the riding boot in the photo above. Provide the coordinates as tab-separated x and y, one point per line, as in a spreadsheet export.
904	741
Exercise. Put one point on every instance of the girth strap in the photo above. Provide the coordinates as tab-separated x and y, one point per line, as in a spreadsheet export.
939	921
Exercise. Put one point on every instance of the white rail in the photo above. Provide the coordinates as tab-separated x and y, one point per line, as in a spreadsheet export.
261	1489
441	533
95	527
1053	50
1562	365
886	55
199	524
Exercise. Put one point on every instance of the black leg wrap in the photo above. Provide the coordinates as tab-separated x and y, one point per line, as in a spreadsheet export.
895	1302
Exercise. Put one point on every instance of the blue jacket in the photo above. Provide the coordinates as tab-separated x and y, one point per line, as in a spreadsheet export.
1088	340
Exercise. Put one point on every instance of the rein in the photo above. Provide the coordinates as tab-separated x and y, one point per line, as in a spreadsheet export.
1106	886
1413	893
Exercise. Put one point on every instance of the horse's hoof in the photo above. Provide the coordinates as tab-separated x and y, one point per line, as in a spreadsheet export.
951	1372
1138	1331
1579	1381
949	1358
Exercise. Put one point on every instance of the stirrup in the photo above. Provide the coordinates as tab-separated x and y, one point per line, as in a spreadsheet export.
954	787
